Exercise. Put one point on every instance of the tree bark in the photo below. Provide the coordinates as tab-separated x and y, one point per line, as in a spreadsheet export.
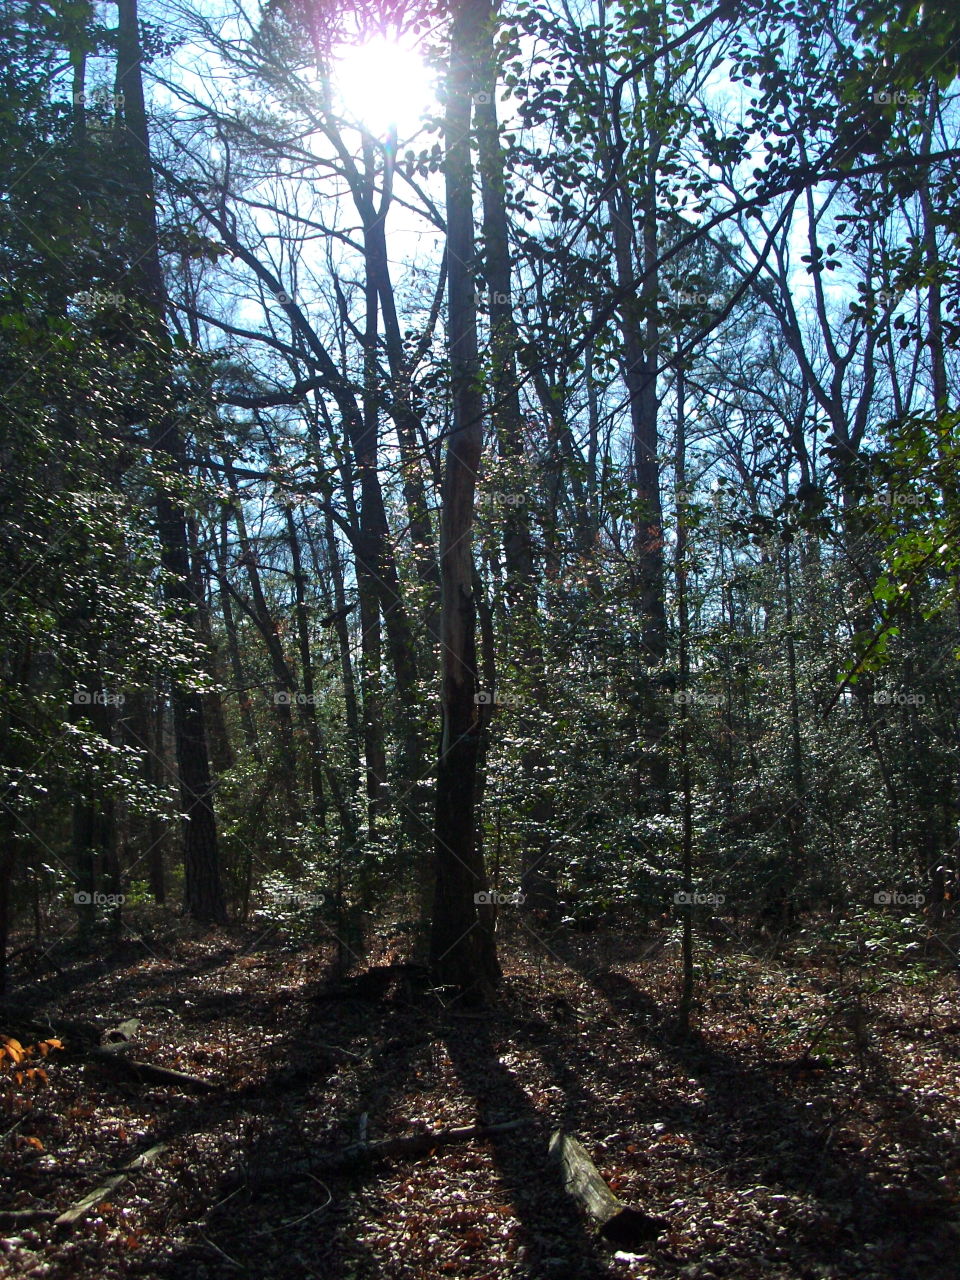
615	1221
639	331
203	897
462	946
683	711
537	885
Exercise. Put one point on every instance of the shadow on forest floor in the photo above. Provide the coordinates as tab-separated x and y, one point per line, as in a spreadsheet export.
761	1169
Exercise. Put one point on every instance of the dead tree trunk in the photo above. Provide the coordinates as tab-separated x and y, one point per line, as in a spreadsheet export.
615	1221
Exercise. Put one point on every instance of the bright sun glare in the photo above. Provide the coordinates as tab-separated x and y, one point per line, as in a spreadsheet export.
381	84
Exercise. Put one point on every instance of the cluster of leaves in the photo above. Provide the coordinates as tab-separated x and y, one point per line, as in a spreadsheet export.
18	1070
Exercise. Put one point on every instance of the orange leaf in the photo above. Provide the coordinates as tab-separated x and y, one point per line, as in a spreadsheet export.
14	1048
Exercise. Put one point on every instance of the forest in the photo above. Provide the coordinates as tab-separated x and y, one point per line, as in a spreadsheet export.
480	639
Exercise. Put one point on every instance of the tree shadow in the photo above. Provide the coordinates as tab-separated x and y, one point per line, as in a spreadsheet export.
751	1132
554	1233
305	1224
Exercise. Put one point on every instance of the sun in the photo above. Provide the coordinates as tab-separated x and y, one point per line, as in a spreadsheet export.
382	84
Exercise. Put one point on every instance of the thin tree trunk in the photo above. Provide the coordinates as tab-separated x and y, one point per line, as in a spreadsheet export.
156	767
683	711
934	870
247	722
368	459
796	815
221	751
342	628
286	685
307	709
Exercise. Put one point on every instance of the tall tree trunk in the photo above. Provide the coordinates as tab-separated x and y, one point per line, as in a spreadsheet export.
307	709
683	711
371	711
155	714
796	814
367	460
462	944
639	330
935	871
221	751
537	883
307	702
203	897
405	417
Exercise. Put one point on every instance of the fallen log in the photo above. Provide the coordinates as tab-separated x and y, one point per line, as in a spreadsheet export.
113	1057
616	1222
361	1153
109	1184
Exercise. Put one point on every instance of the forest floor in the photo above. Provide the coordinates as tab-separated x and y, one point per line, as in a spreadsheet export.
807	1128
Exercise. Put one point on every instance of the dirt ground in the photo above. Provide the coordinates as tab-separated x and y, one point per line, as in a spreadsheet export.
807	1129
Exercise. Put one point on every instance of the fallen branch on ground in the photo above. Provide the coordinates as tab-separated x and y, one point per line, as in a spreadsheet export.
113	1057
359	1153
24	1217
108	1047
103	1189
